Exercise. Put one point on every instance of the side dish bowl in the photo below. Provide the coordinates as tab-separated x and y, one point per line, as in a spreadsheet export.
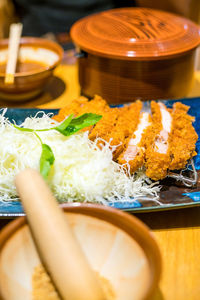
117	245
36	61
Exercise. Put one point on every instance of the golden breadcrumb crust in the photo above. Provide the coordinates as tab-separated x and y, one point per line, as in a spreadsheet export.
128	114
183	137
81	106
135	163
156	163
181	143
105	125
71	108
96	106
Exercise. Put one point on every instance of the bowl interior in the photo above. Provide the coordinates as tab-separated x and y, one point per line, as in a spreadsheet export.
111	252
35	55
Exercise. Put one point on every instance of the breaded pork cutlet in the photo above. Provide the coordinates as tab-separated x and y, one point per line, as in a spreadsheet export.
134	152
128	114
157	157
105	125
96	106
161	143
71	108
183	137
81	106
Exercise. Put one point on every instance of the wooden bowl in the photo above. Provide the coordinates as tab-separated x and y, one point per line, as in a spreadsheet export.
118	246
37	59
130	53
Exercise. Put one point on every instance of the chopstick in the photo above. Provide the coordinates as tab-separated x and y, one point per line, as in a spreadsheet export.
14	40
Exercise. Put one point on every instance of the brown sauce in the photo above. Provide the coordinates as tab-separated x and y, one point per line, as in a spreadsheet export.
26	66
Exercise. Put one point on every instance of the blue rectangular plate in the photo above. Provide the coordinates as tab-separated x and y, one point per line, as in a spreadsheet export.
171	196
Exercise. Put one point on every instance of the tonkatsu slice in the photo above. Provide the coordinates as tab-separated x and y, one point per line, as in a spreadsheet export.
129	114
134	152
157	159
183	138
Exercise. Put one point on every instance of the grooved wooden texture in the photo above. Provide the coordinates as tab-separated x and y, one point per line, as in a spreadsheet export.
131	53
135	34
120	81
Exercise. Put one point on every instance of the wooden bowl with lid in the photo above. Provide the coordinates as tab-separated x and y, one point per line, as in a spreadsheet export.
130	53
118	246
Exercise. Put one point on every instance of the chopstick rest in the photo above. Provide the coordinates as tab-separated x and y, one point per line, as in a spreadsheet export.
60	252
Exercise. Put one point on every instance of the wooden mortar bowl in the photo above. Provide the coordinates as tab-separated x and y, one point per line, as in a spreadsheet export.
117	245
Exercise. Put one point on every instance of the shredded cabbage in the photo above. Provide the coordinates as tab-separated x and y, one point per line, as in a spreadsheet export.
81	171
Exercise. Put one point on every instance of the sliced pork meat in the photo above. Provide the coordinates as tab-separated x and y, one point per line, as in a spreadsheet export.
157	159
134	153
121	132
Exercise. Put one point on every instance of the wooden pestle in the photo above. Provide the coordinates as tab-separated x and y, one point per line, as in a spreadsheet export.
59	251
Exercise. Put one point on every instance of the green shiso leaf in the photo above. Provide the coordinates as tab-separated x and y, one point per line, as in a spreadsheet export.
46	160
68	127
64	124
78	123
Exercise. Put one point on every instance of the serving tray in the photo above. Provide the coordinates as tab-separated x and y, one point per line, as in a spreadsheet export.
173	195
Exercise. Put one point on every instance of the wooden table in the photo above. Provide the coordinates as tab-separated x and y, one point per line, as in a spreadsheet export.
178	235
177	231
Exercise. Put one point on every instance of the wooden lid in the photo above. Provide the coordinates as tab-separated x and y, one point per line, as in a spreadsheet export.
135	34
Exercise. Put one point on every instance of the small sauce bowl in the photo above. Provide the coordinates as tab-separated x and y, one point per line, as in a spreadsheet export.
37	59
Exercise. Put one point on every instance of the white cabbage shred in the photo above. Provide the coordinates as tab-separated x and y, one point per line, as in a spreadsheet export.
81	171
